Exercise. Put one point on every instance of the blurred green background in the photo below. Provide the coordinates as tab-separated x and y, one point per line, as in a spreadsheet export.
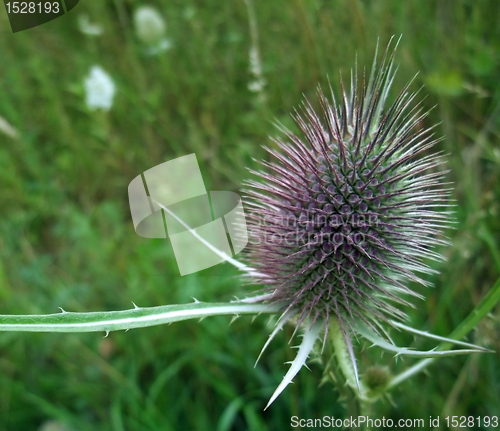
67	239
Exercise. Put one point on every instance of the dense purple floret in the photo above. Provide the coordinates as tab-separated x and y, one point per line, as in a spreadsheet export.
345	216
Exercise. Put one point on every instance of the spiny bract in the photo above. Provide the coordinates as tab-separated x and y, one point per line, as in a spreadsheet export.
345	217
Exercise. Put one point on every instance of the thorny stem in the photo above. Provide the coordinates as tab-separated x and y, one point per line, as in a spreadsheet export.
354	394
346	393
342	354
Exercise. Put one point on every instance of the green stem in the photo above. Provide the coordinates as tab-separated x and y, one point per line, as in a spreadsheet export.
355	395
341	352
480	311
127	319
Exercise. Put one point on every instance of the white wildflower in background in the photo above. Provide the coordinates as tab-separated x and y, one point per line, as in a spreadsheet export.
258	83
99	89
149	25
255	67
256	86
89	28
150	28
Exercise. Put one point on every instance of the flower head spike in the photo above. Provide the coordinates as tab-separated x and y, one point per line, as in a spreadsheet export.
345	217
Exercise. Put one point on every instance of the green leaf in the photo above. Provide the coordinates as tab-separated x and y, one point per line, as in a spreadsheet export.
311	334
480	311
384	344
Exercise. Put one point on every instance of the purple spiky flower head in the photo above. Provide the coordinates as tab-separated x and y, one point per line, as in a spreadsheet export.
346	215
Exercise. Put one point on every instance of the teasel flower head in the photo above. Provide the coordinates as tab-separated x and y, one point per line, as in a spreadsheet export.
348	213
